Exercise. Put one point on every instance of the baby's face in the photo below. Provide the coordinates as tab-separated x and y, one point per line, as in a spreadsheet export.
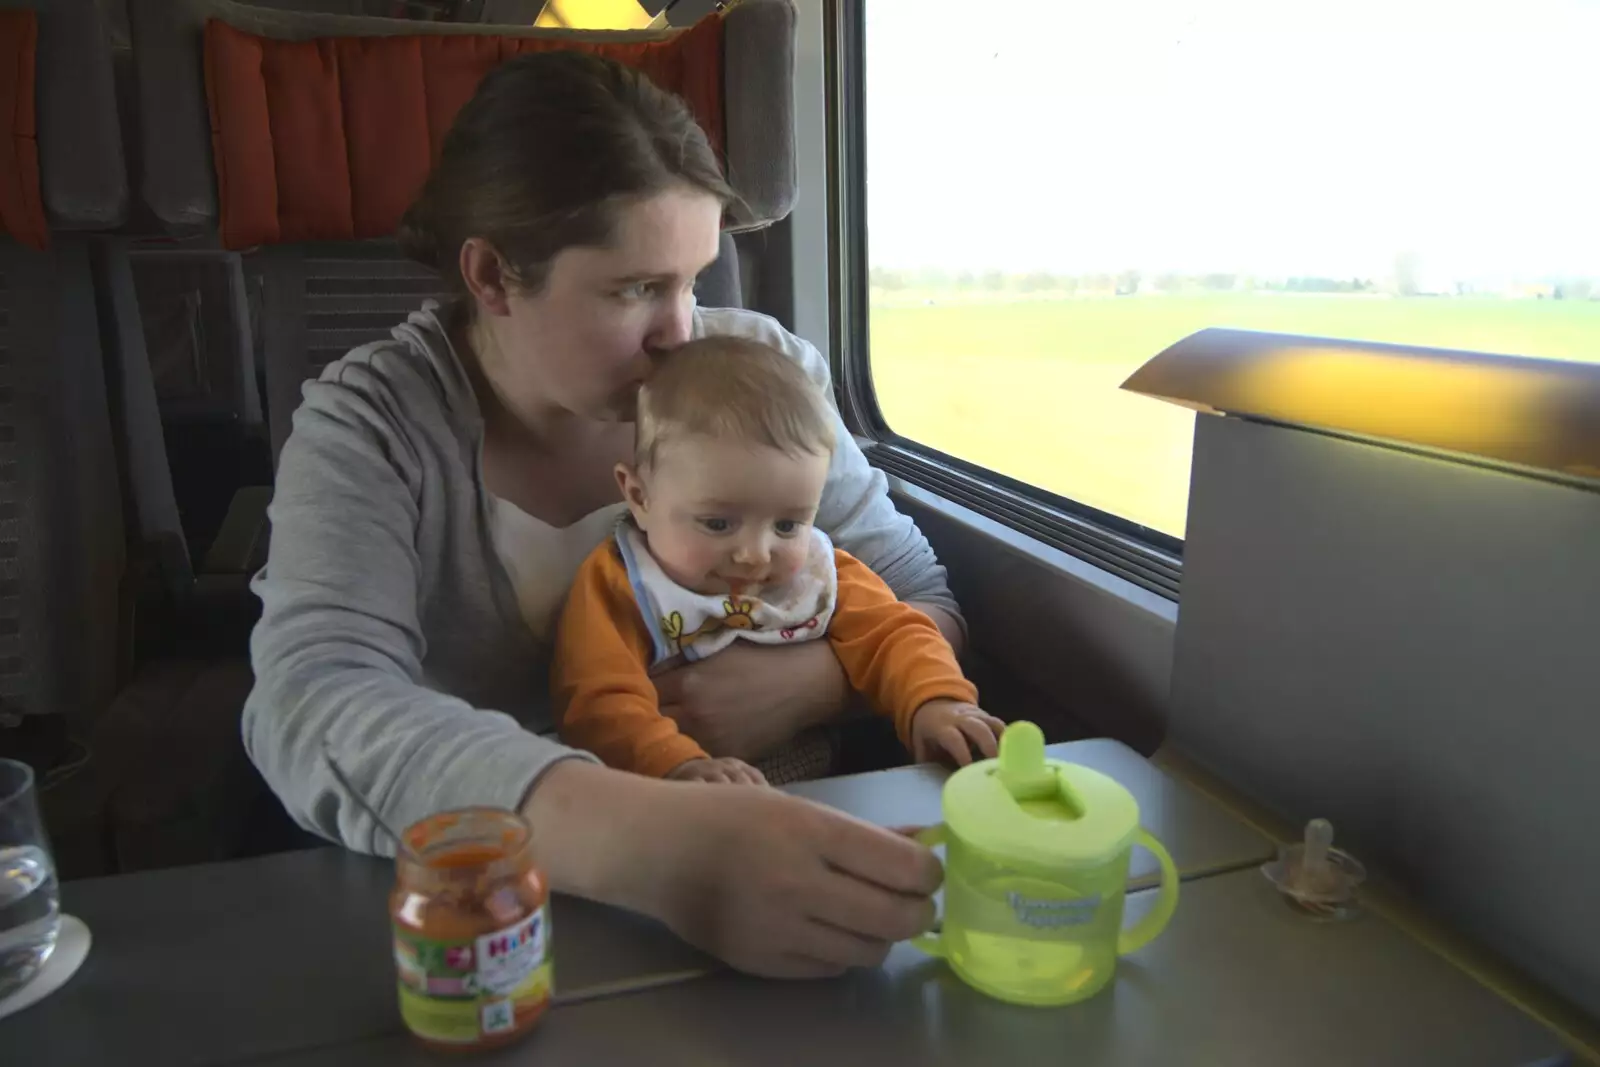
726	517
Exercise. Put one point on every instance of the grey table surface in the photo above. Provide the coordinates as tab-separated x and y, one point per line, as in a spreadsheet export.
1202	837
286	959
1236	979
228	962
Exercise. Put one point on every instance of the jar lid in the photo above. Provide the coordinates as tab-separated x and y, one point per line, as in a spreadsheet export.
1025	807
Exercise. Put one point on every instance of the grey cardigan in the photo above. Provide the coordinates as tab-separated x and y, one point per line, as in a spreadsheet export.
389	626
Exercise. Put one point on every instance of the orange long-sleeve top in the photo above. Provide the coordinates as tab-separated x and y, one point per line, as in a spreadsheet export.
605	702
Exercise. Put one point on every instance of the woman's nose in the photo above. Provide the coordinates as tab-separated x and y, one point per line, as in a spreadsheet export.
673	323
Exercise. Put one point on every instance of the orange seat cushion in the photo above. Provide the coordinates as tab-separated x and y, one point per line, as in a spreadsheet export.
330	139
21	209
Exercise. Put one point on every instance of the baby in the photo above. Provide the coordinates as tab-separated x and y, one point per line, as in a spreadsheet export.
732	451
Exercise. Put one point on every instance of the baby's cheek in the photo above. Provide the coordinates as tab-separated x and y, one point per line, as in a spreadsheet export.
690	559
790	561
706	557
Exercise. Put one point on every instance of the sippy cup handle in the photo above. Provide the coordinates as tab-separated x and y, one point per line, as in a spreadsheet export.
1145	930
932	942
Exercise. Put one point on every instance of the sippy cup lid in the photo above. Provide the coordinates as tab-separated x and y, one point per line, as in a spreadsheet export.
1033	809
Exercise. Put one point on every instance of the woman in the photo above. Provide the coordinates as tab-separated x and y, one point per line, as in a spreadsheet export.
440	488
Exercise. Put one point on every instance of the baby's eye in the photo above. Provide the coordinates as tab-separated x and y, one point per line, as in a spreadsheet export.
714	524
787	527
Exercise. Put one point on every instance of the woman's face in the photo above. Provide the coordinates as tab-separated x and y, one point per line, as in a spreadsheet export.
582	343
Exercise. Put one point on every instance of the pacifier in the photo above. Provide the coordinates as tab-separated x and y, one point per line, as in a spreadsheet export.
1315	877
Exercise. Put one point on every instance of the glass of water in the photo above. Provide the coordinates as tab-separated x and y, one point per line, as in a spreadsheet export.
30	907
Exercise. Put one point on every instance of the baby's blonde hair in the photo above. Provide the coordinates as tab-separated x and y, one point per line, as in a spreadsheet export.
732	389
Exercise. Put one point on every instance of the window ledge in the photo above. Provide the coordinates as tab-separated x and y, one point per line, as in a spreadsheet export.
1065	564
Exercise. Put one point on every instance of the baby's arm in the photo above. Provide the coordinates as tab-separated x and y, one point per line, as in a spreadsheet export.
603	698
727	770
891	652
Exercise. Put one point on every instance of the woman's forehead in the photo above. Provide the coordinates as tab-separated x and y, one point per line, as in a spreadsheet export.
673	234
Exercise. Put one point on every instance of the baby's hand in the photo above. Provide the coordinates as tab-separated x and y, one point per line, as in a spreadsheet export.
730	771
949	728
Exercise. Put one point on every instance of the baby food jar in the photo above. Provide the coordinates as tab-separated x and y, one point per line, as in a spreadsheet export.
471	922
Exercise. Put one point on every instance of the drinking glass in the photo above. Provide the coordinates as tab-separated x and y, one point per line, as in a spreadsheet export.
30	899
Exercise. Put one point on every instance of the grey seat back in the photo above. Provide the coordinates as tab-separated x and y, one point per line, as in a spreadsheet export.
322	299
62	549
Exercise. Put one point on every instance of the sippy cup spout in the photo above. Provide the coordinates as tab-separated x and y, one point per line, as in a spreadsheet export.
1023	770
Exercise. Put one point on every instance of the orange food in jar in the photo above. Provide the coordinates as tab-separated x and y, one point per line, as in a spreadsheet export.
471	923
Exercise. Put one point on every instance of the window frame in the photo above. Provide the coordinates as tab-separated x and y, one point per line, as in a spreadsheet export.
1141	554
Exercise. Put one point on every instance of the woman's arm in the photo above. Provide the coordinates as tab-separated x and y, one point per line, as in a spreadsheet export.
337	653
950	624
771	884
749	699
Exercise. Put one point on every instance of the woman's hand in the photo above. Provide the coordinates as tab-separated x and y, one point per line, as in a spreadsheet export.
780	886
748	699
950	729
772	884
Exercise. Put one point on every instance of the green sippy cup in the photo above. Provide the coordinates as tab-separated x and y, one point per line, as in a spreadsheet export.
1036	867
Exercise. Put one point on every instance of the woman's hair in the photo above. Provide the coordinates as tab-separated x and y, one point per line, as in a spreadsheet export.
731	389
544	154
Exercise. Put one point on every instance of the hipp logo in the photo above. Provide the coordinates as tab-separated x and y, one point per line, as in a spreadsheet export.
506	943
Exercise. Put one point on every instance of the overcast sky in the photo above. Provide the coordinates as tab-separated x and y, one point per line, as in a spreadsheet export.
1285	137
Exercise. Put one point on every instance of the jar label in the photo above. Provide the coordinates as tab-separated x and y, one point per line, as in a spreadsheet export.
462	991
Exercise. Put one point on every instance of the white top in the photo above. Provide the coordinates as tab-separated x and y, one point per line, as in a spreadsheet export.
542	560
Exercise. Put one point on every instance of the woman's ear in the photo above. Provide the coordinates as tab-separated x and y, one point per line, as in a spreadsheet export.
633	494
486	276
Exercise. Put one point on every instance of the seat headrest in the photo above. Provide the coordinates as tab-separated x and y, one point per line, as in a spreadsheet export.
61	161
258	159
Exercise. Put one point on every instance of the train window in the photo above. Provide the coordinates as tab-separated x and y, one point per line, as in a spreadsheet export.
1056	191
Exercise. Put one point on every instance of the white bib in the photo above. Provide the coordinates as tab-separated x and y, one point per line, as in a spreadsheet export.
695	625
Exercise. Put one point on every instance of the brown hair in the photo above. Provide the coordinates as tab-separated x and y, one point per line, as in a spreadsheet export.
543	155
730	388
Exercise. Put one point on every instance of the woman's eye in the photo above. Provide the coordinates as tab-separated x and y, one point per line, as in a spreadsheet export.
641	291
